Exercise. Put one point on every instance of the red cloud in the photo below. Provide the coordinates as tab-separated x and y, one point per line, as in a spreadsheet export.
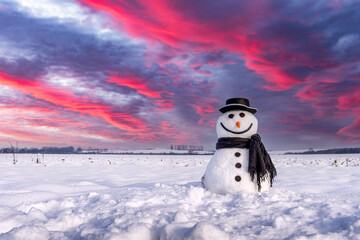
63	98
19	134
136	83
125	121
165	22
352	131
330	90
205	108
143	88
350	101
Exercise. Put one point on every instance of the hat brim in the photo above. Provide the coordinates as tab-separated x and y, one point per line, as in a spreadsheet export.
231	107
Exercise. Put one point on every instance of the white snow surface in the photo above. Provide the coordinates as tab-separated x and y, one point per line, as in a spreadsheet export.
161	197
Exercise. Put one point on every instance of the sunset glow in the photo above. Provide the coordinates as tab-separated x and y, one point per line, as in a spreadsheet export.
139	74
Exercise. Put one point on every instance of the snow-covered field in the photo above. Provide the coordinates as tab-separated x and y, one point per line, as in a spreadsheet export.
160	197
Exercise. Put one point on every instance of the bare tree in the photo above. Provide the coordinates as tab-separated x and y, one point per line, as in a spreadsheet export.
13	152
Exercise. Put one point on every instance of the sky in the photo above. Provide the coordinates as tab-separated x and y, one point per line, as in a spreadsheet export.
136	74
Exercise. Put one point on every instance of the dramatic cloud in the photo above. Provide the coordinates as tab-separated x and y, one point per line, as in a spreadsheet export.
133	74
352	130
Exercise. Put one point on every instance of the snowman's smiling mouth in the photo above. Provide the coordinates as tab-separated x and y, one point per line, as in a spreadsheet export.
236	132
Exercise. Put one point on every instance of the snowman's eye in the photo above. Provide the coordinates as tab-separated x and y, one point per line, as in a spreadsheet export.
231	115
242	115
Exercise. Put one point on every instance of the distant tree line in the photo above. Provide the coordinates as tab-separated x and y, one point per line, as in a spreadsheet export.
186	147
48	150
329	151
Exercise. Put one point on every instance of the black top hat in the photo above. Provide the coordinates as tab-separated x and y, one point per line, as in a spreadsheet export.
238	104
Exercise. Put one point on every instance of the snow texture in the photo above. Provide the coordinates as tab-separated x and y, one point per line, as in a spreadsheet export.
160	197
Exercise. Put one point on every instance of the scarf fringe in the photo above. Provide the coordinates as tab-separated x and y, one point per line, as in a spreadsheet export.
260	162
259	180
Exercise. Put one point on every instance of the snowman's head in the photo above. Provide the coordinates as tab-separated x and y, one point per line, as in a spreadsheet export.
237	119
236	123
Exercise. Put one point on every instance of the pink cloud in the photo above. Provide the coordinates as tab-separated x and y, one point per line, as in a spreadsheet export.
63	98
352	131
144	88
136	83
165	23
350	101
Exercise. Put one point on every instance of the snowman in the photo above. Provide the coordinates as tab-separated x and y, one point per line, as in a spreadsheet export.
240	161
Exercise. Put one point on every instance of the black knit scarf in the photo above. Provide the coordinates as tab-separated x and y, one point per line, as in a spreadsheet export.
259	160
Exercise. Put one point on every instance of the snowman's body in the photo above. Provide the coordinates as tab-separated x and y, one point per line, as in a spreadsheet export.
227	171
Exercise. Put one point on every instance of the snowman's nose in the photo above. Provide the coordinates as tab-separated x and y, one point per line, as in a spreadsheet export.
238	124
